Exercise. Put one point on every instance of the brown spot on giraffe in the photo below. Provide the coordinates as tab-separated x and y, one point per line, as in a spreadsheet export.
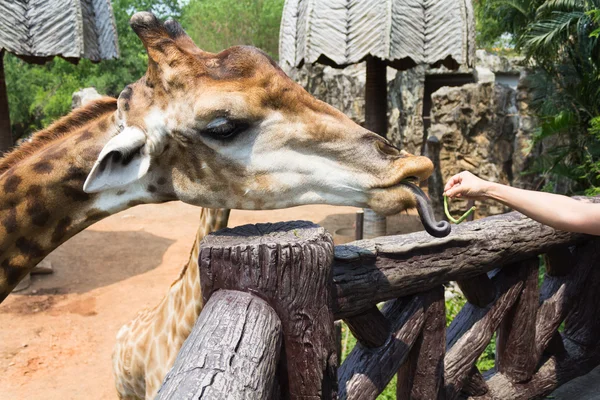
43	167
29	247
36	208
87	135
96	215
60	231
10	221
12	183
12	273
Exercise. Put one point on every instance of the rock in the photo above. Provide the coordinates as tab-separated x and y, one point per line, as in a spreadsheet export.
84	96
484	127
483	75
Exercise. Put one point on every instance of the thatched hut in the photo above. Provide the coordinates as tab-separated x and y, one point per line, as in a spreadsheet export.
38	31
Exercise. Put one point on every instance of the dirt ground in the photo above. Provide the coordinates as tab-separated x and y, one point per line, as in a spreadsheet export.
56	337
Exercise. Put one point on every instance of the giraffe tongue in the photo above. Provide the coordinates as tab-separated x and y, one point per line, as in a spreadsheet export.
436	229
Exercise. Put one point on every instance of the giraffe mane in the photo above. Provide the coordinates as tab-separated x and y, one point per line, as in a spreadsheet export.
71	122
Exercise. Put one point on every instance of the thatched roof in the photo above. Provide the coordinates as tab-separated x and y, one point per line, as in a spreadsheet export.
404	32
37	30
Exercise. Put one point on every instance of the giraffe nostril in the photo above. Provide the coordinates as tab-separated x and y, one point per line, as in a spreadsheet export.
388	150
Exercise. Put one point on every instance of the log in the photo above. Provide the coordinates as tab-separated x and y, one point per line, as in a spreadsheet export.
553	373
478	290
473	327
559	261
516	334
367	272
367	371
370	328
474	384
421	377
557	296
232	351
582	324
287	264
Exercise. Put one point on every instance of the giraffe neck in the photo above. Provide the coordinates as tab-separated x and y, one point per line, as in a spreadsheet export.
211	220
42	202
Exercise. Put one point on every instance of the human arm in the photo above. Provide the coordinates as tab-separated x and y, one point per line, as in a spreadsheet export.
557	211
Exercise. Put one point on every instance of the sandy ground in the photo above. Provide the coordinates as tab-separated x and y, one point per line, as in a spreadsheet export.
56	337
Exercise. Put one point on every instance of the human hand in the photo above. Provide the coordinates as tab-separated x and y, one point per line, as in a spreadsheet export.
467	185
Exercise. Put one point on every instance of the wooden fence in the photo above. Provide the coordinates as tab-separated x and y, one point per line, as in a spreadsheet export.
273	291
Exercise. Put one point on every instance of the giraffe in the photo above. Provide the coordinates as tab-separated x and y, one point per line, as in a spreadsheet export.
218	130
147	346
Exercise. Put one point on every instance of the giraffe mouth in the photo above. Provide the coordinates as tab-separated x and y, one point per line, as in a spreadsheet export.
434	228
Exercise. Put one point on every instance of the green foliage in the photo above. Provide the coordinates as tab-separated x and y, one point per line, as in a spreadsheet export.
217	25
560	40
39	94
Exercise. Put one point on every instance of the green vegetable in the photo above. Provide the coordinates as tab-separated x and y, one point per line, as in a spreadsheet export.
450	218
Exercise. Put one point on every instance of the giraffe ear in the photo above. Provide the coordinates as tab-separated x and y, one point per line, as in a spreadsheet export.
123	160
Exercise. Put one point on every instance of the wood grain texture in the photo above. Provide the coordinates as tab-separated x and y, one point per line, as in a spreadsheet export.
343	32
474	384
367	272
478	290
552	373
515	340
371	328
287	264
473	327
421	377
557	296
232	351
367	371
582	324
71	29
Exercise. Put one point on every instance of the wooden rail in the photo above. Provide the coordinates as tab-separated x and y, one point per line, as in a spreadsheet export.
284	283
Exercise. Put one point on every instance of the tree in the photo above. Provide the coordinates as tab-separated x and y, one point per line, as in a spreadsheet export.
40	94
216	25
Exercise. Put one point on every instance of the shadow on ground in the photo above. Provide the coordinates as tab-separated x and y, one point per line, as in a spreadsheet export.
90	260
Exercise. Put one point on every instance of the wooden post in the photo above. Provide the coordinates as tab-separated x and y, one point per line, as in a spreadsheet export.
478	290
232	351
472	329
287	264
6	140
376	121
422	376
367	371
370	328
515	344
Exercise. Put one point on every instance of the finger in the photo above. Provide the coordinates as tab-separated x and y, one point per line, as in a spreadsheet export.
456	179
453	192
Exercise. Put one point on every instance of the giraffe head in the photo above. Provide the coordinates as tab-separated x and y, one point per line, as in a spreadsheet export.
233	130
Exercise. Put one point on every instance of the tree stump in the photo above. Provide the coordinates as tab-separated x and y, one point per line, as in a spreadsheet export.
288	265
231	353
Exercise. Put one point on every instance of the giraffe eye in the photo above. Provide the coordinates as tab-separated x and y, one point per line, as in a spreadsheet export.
224	128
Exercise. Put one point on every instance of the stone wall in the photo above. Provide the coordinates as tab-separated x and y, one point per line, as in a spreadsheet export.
483	127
